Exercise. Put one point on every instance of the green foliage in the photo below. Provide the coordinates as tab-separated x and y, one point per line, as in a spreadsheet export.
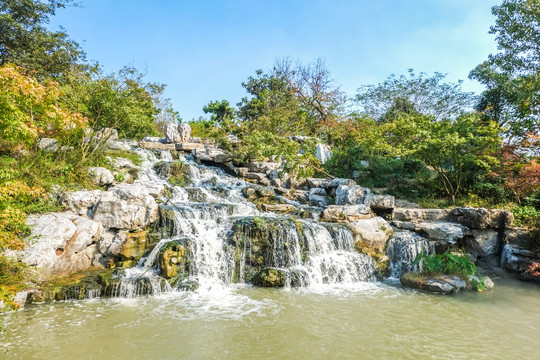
528	216
120	100
273	107
26	42
447	263
511	76
13	275
457	151
422	94
222	114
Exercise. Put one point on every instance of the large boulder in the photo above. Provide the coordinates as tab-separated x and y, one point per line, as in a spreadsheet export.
184	130
445	234
371	234
380	202
172	135
351	194
419	215
61	243
81	202
101	175
346	213
126	206
442	284
481	218
211	155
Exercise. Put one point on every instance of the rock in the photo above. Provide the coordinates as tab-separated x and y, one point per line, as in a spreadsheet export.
156	146
263	166
420	215
481	218
61	243
130	245
372	233
258	177
155	189
445	233
241	171
266	192
249	192
380	202
121	163
334	183
188	146
126	206
48	144
172	135
400	203
441	284
485	242
276	183
318	183
318	200
524	262
323	152
283	208
518	236
351	194
154	139
185	131
211	155
480	284
81	202
118	145
318	191
101	175
346	213
270	277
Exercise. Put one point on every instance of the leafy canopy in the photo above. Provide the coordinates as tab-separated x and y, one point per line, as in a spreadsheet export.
414	94
26	42
512	76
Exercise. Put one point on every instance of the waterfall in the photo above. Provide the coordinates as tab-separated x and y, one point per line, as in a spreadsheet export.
403	248
224	239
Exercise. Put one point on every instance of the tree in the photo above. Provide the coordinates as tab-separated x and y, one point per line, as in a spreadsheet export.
457	150
314	87
512	76
120	100
222	114
24	40
30	109
273	107
423	94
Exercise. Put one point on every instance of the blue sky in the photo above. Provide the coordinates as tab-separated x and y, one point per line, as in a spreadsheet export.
204	50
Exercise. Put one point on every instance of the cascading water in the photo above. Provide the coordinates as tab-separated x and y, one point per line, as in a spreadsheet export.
403	248
227	241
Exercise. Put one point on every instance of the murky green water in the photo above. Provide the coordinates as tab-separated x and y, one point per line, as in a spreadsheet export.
369	322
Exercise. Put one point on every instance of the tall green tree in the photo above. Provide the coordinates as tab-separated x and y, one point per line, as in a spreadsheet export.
423	94
512	76
222	114
26	42
457	150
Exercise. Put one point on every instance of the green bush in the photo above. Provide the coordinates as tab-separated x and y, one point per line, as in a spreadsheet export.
447	263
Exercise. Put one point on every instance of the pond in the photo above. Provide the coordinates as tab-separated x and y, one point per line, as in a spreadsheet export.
362	321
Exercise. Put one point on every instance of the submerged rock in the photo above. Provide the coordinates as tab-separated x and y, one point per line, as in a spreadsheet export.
270	277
